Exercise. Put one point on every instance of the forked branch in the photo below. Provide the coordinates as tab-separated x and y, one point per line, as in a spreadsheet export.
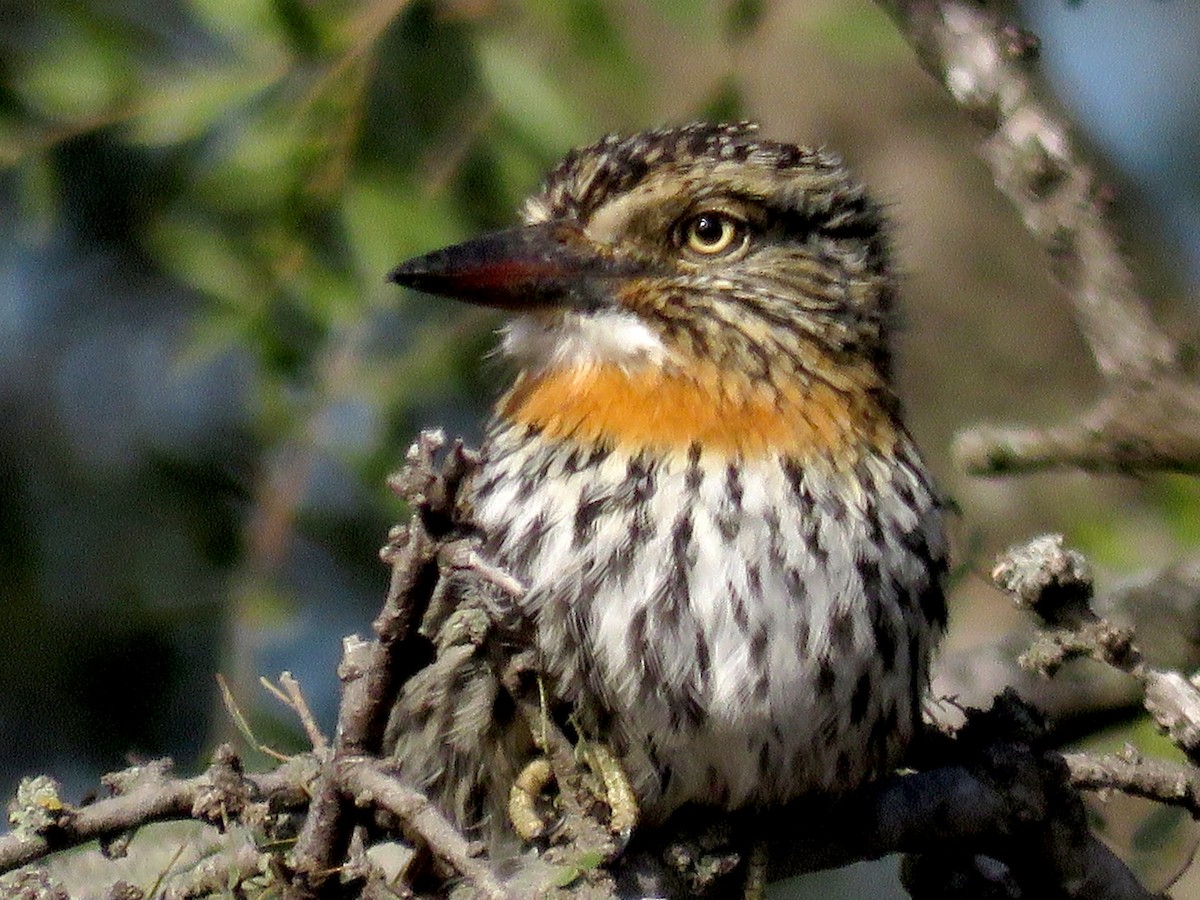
1148	416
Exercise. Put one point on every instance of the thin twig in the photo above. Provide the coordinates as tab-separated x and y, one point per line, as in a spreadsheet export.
372	672
147	794
290	695
1042	567
242	723
1130	773
362	779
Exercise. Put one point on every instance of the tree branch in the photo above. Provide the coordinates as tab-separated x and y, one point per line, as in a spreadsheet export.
1130	773
1148	417
362	779
147	794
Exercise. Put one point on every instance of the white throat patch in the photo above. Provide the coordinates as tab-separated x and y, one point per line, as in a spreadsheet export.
576	340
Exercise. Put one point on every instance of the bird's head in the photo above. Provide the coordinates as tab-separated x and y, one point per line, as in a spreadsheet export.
754	271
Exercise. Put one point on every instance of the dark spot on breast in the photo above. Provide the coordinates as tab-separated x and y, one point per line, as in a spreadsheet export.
764	760
671	598
681	540
728	525
754	580
841	631
484	489
794	473
694	476
636	639
803	633
541	469
860	698
758	648
874	525
834	506
810	534
641	528
740	617
525	489
865	477
529	546
826	678
796	585
868	571
734	489
885	635
597	455
703	656
762	686
775	544
591	506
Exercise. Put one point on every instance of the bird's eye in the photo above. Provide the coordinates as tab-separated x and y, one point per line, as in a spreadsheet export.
713	233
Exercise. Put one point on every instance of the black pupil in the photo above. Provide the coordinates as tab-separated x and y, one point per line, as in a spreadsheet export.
709	229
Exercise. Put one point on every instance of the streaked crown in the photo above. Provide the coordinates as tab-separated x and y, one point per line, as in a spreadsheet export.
701	263
745	246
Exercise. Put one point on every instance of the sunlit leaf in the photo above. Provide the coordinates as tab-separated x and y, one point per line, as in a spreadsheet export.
251	25
77	77
207	258
186	106
388	219
529	98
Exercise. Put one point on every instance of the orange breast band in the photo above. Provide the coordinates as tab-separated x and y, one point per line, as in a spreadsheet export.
669	411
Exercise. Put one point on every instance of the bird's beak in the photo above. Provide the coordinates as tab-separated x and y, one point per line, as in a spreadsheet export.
549	264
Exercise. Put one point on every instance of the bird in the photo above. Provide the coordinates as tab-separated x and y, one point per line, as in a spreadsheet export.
732	551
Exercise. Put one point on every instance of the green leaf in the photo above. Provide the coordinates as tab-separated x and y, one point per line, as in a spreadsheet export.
725	104
529	98
189	104
77	76
388	219
251	25
262	158
207	258
743	18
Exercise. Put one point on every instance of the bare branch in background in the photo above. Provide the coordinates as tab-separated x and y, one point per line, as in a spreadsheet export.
1036	575
1148	416
44	823
1162	607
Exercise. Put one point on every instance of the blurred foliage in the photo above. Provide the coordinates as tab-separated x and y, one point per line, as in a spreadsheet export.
231	182
204	378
